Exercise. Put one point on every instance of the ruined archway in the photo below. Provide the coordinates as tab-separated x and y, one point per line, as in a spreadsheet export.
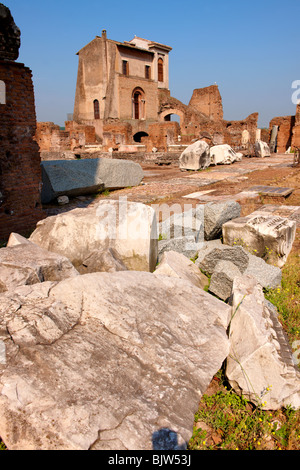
172	117
167	113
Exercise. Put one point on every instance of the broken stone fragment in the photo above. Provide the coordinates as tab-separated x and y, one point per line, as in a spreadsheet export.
222	279
260	363
185	245
269	237
216	214
195	157
16	239
177	265
262	149
62	200
27	264
128	227
212	256
184	224
208	259
223	155
268	276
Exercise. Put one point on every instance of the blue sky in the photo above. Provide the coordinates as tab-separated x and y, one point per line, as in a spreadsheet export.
250	49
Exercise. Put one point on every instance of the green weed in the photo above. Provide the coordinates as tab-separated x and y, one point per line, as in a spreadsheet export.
226	421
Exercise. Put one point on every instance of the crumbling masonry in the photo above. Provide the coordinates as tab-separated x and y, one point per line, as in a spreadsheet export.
20	173
123	93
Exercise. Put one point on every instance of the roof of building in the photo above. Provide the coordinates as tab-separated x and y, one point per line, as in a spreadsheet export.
131	45
152	44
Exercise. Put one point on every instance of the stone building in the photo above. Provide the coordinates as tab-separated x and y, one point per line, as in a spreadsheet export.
20	172
120	81
123	91
123	103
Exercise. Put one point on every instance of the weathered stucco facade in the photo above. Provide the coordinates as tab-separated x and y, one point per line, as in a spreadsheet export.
120	81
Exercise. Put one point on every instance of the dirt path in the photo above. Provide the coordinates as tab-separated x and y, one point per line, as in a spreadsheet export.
168	184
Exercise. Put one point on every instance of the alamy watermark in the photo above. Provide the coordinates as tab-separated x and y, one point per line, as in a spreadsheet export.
296	93
2	353
127	221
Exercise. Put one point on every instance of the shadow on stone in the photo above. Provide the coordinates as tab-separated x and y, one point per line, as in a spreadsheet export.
166	439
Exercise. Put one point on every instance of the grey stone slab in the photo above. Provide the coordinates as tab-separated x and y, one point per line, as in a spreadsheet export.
272	191
79	177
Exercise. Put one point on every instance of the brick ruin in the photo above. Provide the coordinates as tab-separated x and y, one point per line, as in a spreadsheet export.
50	137
287	132
123	93
163	135
123	105
20	173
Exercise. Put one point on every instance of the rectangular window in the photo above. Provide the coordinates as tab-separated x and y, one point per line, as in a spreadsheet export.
147	71
125	67
160	70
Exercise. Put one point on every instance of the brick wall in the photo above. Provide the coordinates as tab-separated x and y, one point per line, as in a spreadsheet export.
116	133
208	101
20	172
296	129
162	134
285	128
78	130
43	134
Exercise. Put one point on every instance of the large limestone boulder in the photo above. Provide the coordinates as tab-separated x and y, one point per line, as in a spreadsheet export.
216	214
260	364
177	265
223	155
78	177
269	237
195	157
261	149
128	227
27	263
107	361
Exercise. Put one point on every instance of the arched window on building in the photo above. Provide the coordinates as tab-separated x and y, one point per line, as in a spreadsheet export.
2	92
138	104
160	70
96	110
